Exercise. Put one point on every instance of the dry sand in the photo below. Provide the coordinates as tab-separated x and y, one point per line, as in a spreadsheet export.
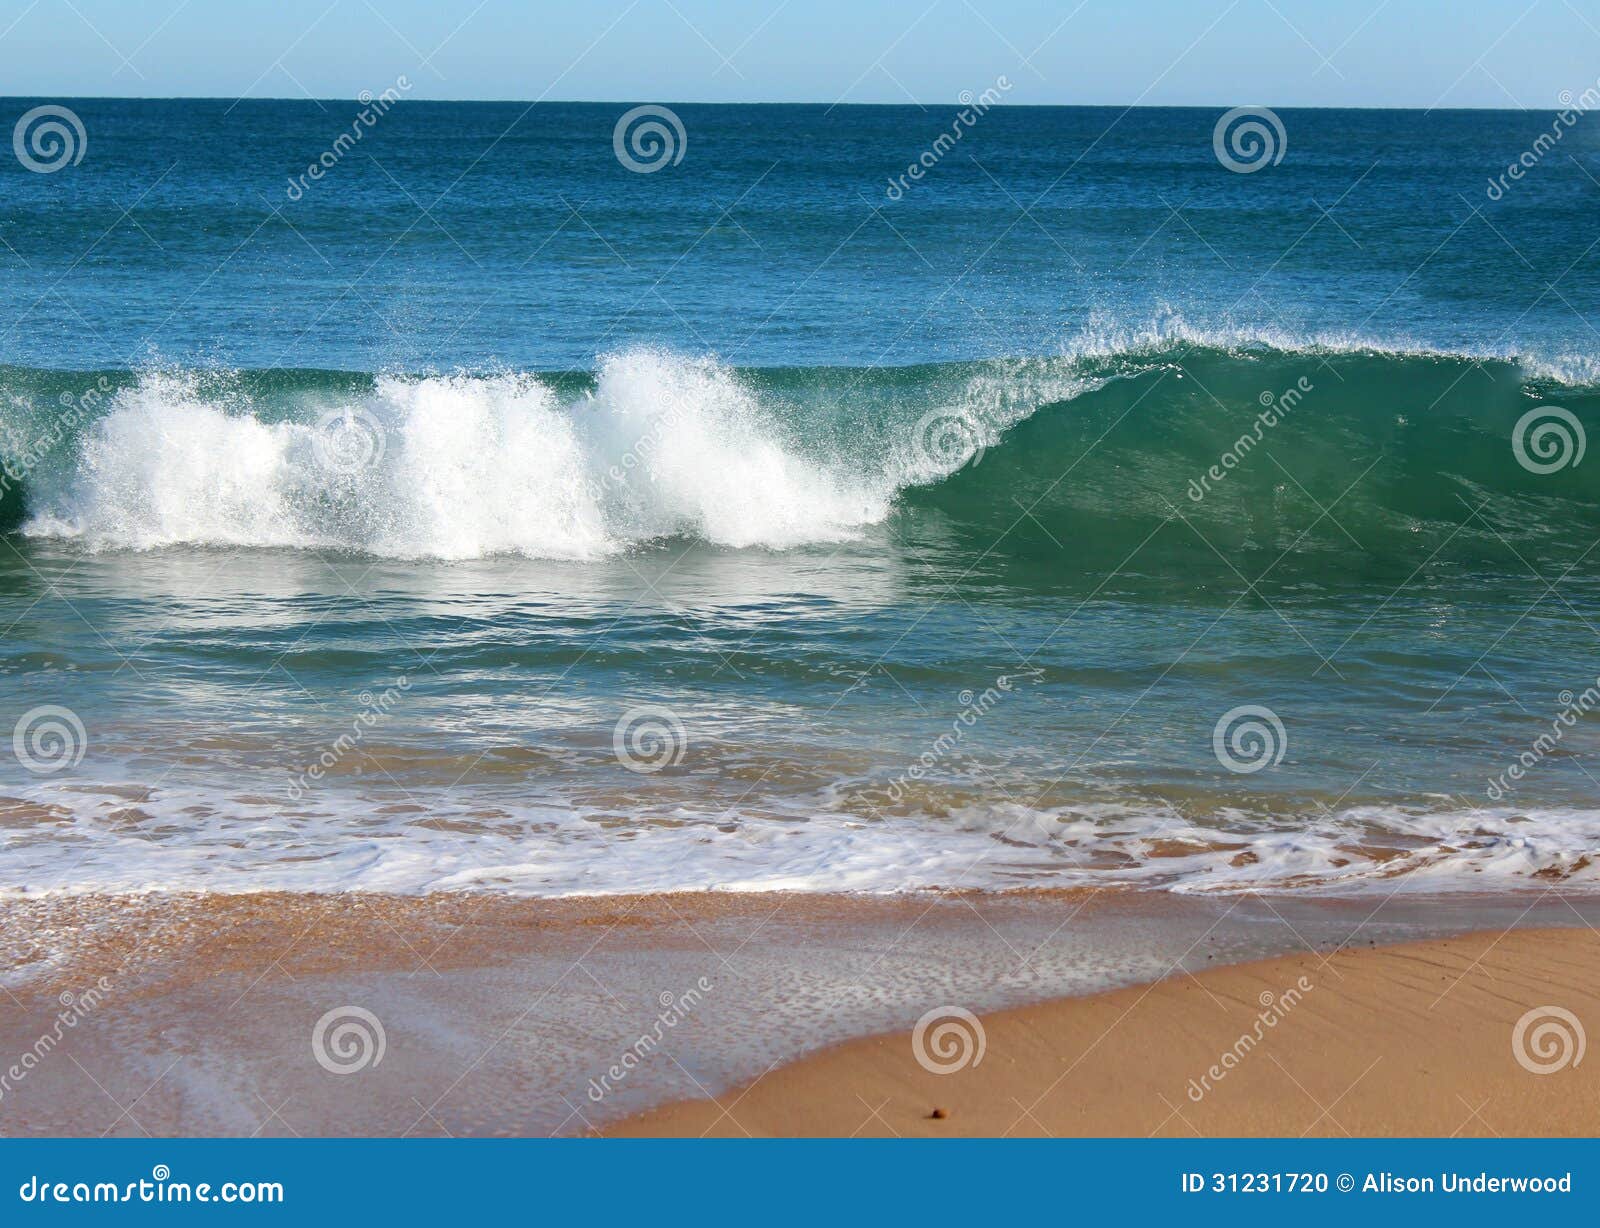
1415	1039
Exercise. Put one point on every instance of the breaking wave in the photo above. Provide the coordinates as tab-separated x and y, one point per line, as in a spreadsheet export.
1121	430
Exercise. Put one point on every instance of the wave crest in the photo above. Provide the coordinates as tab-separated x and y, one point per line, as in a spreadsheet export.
456	467
1245	433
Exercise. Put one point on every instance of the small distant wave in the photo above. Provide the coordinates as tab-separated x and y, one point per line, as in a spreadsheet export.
1171	334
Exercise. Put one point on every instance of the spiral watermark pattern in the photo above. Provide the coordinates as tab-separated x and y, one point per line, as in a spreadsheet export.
1246	139
49	138
1547	1039
948	1039
348	1039
49	739
649	138
1249	738
349	440
947	440
1547	439
648	739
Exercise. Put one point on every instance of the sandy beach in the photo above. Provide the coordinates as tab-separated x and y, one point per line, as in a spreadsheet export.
1416	1039
1101	1013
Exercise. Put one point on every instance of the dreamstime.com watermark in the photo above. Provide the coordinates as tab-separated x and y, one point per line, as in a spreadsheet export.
75	1008
1274	409
973	108
1572	110
674	1010
49	739
1248	739
374	710
1248	139
649	138
947	439
1548	439
648	738
49	138
373	108
1274	1009
348	440
948	1039
1574	707
158	1187
974	707
618	477
1548	1039
21	454
348	1040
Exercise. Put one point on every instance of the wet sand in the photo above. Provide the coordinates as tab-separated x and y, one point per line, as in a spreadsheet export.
488	1015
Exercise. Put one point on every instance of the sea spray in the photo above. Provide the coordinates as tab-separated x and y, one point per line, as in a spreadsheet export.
1083	454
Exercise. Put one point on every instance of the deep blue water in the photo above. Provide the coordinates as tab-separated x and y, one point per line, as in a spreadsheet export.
481	234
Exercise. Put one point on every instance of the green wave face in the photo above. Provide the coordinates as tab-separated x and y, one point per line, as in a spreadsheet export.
1331	466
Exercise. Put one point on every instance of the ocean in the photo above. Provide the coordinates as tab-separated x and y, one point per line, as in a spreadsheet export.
515	505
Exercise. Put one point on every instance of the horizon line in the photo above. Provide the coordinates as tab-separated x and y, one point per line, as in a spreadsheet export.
534	102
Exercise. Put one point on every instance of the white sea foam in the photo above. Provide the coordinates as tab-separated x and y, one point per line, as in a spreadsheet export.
1102	338
459	467
184	837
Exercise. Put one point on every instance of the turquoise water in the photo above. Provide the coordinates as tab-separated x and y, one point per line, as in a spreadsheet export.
485	514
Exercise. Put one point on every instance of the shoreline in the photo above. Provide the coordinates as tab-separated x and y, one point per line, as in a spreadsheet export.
493	1015
1477	1035
1480	1035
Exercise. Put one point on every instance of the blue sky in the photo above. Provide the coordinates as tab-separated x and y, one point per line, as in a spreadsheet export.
1466	53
